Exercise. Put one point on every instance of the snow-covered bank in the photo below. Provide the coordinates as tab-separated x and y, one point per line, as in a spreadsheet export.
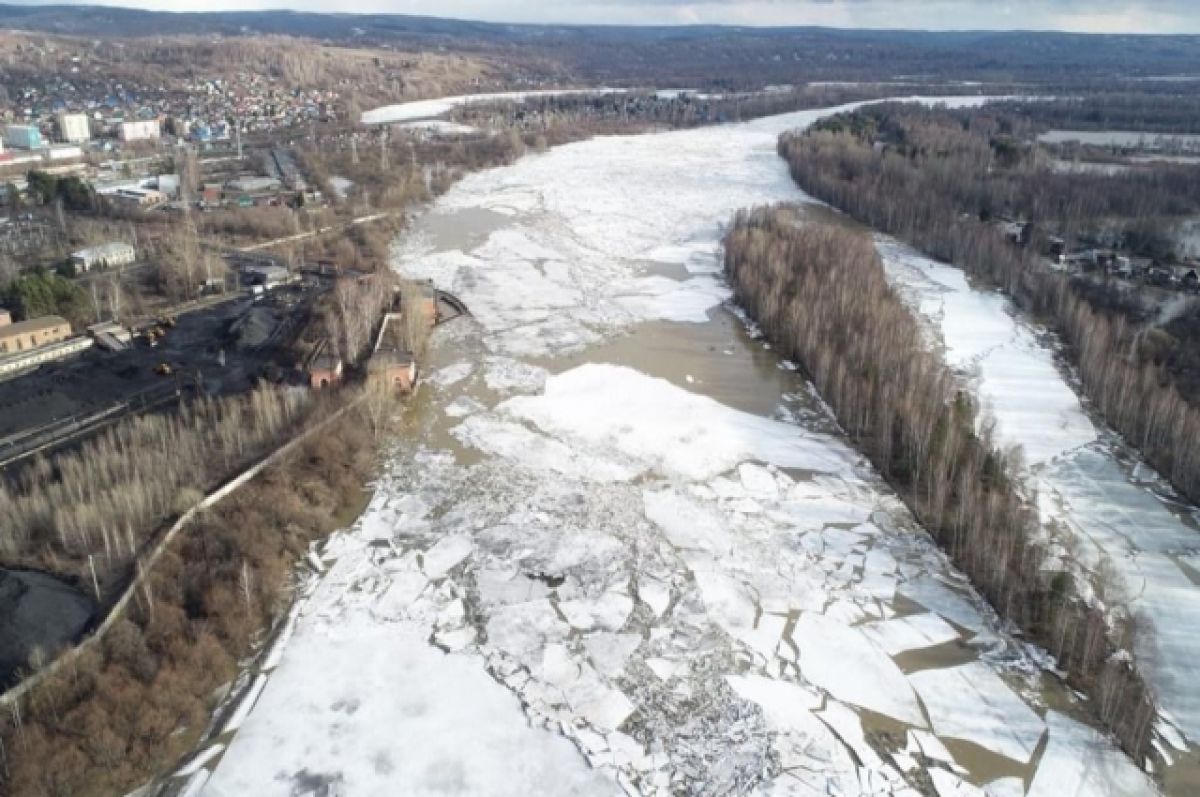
699	599
1116	514
421	110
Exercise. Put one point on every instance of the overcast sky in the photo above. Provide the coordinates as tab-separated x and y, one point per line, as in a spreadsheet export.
1108	16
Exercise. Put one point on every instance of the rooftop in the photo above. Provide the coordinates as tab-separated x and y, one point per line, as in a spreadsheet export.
33	325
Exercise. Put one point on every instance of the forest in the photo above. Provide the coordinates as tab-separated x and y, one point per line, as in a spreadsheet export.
937	179
821	297
131	706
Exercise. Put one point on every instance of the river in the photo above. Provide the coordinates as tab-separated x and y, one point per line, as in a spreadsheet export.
621	546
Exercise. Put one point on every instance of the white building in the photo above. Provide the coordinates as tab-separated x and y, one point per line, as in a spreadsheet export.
141	130
73	128
110	255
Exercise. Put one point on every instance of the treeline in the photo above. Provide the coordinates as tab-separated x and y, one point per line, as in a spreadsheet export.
984	162
925	200
821	297
41	292
621	111
86	514
1172	107
129	708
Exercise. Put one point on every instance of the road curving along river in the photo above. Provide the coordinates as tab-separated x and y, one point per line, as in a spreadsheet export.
622	547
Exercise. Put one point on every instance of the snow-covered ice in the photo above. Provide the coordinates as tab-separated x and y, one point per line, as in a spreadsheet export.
1078	760
971	702
613	583
1115	523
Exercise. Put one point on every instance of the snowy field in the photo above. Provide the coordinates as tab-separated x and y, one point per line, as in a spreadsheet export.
583	578
1116	513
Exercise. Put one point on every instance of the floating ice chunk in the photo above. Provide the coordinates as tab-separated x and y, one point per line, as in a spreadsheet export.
456	639
757	480
764	637
463	406
349	699
502	587
609	652
1005	787
450	375
879	574
532	450
608	612
652	421
1078	760
971	702
654	594
940	598
686	523
506	375
602	706
783	703
846	724
558	667
947	784
728	601
913	632
930	746
446	554
663	668
844	663
660	298
524	628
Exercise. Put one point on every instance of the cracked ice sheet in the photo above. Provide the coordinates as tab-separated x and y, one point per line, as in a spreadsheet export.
1080	483
972	703
364	707
681	433
598	206
1080	761
842	661
912	632
1018	381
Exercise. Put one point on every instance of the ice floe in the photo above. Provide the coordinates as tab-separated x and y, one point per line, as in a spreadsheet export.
973	703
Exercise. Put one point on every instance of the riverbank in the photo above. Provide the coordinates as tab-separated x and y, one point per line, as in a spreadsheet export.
128	707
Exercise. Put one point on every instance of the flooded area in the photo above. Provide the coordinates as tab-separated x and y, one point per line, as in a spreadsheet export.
622	547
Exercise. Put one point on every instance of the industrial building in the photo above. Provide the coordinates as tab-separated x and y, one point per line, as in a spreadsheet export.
268	275
110	255
136	197
27	335
23	136
74	128
141	130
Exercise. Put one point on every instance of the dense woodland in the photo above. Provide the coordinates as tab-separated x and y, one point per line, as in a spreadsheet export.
1147	106
131	706
86	514
821	297
936	178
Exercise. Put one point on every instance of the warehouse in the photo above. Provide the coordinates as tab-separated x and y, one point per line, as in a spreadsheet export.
109	255
26	335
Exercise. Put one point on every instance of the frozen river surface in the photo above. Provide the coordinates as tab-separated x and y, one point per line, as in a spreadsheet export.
624	550
1122	524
